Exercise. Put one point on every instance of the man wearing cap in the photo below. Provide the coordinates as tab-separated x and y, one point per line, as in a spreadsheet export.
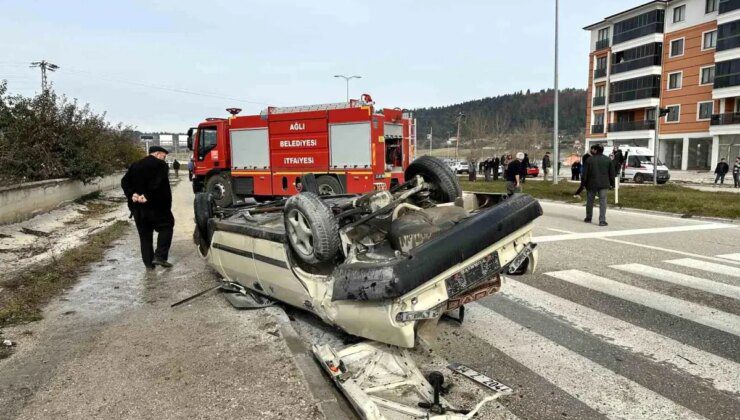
147	188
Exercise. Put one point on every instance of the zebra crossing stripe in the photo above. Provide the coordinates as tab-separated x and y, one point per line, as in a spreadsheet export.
707	266
589	382
681	308
724	374
681	279
733	257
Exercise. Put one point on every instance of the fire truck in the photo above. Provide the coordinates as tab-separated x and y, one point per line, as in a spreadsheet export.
349	146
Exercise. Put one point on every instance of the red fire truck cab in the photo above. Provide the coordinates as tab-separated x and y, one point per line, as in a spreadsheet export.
349	146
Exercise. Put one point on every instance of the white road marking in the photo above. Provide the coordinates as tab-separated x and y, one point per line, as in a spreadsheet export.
723	373
657	248
734	257
707	266
681	279
688	310
589	382
629	232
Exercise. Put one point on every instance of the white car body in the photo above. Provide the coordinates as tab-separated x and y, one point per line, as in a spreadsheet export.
639	165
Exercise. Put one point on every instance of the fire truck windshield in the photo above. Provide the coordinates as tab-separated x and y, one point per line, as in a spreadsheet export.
206	141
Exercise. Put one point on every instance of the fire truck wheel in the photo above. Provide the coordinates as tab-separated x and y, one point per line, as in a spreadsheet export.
312	230
328	185
220	188
444	185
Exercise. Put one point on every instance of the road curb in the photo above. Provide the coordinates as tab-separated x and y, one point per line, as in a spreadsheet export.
315	379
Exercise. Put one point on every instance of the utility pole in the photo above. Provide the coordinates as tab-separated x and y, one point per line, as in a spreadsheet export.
347	79
44	66
460	116
659	112
556	158
430	137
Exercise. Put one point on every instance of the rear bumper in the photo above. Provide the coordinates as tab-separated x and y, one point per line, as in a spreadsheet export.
377	281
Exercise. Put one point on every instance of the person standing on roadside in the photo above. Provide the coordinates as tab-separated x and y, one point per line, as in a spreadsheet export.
575	170
721	170
176	167
147	188
736	172
525	167
495	165
598	179
191	168
545	164
513	174
584	158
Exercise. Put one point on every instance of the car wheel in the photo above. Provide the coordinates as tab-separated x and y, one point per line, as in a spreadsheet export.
662	182
311	228
220	189
203	209
328	185
444	185
639	178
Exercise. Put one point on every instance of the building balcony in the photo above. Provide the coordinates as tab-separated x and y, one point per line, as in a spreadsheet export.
729	118
651	60
602	43
599	101
723	81
652	28
632	125
633	95
728	43
599	73
597	129
728	6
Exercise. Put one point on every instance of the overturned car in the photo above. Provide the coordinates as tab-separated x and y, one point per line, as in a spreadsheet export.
380	265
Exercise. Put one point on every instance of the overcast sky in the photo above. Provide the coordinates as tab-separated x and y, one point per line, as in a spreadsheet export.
117	55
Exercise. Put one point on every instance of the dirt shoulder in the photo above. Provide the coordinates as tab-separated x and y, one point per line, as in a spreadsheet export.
112	347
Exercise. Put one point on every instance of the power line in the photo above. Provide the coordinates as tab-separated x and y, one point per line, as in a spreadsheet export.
165	88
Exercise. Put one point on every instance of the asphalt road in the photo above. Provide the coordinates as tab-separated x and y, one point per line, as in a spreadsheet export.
640	319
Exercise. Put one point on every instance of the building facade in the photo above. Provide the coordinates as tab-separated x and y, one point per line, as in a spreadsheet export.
681	55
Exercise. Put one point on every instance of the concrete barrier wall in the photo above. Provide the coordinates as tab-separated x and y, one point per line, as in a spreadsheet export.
21	202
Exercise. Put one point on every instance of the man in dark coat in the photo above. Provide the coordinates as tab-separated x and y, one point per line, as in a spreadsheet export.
721	170
525	166
495	165
147	187
598	177
513	175
546	165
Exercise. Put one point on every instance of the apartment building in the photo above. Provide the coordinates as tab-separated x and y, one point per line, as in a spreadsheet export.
683	55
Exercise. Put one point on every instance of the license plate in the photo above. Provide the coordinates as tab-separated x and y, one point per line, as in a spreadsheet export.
478	293
482	270
519	259
480	378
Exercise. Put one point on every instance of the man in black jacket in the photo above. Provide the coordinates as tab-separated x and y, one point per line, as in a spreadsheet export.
598	177
147	188
721	170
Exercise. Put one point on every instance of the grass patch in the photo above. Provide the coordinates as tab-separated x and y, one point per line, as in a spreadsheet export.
27	292
667	198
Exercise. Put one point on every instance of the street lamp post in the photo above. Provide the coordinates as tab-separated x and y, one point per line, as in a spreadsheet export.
555	113
347	79
460	116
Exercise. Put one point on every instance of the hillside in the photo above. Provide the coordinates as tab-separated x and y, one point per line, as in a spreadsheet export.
506	114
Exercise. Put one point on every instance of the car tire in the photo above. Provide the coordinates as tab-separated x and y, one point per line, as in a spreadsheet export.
445	186
328	185
662	182
203	209
639	179
311	229
219	187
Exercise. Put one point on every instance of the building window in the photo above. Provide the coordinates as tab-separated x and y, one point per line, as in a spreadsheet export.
673	113
603	34
650	114
711	6
600	91
705	110
709	41
674	80
676	47
598	119
679	14
707	75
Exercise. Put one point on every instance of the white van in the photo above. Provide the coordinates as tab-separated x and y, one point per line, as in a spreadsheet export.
639	165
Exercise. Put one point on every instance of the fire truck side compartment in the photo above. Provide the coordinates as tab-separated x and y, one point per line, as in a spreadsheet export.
350	145
250	149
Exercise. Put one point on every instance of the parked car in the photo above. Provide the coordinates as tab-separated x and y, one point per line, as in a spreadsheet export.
533	171
459	166
639	167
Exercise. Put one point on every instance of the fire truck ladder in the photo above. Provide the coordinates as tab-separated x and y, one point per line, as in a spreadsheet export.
306	108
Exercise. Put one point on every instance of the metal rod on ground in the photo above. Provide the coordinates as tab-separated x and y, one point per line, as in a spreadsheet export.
556	158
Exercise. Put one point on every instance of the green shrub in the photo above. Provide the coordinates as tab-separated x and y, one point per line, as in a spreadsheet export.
48	136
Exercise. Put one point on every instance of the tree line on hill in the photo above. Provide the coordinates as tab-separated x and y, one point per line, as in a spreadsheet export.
520	121
49	136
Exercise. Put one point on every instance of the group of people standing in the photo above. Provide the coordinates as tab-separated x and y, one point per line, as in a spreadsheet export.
723	168
513	169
